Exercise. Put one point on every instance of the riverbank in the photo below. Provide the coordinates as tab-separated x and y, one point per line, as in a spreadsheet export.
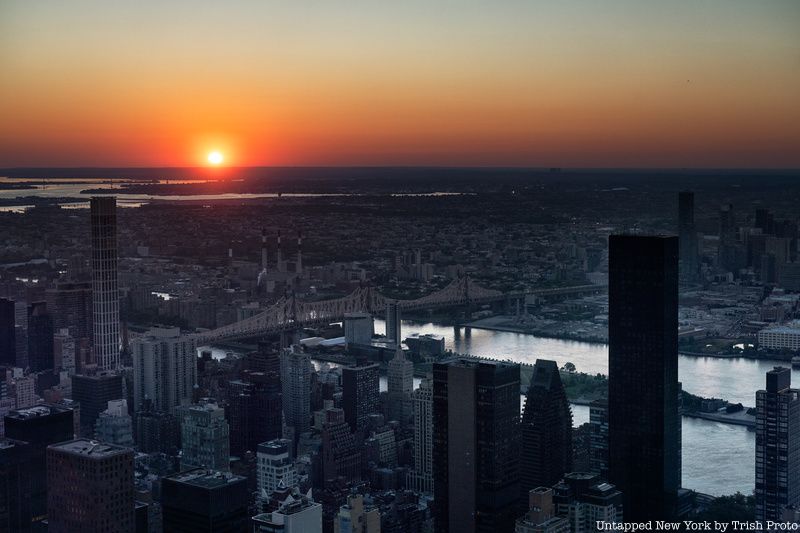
504	324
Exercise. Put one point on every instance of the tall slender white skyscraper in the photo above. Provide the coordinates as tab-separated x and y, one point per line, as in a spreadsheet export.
105	291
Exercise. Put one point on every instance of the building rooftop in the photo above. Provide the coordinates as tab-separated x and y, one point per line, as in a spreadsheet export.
36	411
90	448
201	477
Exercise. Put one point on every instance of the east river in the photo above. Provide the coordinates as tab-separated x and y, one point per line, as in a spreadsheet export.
717	458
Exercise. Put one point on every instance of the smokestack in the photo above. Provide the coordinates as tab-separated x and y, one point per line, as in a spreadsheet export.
299	265
263	248
280	254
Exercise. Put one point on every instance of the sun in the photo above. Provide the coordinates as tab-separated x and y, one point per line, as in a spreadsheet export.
215	158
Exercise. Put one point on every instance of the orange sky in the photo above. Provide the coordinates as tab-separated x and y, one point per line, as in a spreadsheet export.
576	83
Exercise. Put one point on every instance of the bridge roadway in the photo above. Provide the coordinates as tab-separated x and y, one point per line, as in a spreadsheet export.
290	313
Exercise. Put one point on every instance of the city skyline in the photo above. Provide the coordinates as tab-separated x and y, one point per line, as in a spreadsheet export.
572	84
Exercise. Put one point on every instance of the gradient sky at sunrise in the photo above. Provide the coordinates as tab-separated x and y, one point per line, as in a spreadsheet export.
625	83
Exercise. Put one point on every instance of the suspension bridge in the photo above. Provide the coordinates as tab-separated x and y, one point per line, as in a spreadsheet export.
291	313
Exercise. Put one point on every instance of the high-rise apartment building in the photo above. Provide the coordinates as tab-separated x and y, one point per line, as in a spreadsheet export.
90	487
360	393
421	478
401	385
105	290
204	436
164	369
546	430
296	383
777	446
643	418
475	445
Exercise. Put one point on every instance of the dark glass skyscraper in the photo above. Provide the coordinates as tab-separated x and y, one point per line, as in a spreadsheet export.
643	417
8	342
777	446
40	338
105	292
360	394
475	445
546	430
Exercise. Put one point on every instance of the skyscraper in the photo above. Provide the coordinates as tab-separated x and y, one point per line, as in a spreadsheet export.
401	384
341	454
777	446
39	427
253	411
546	430
15	478
296	383
475	445
71	307
164	369
358	328
204	436
8	342
421	479
689	259
393	328
643	418
360	393
91	487
105	293
40	337
93	393
598	422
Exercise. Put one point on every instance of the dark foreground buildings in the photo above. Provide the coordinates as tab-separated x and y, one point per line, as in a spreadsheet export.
475	445
198	501
90	487
777	446
38	427
546	430
643	418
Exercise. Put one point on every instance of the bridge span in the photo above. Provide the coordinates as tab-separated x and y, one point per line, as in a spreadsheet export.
290	313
